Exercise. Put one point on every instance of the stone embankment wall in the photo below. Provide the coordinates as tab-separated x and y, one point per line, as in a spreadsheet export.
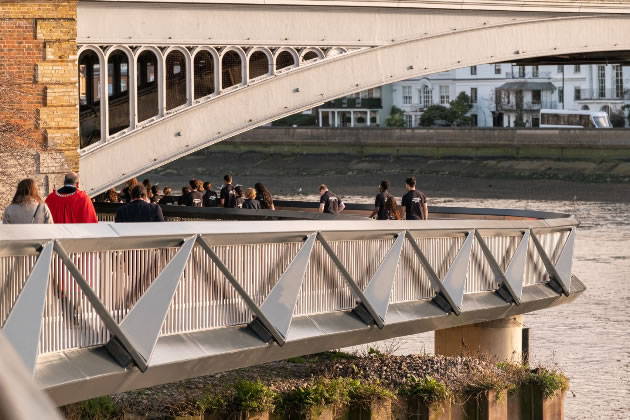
38	80
478	143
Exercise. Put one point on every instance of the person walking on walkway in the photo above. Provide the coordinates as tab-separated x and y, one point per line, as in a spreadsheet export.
391	206
138	210
380	212
250	201
264	196
228	199
71	205
329	202
414	203
27	206
209	196
195	198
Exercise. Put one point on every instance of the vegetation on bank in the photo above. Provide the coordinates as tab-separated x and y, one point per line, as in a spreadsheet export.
336	380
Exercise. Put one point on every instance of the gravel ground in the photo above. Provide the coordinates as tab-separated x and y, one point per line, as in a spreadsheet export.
391	371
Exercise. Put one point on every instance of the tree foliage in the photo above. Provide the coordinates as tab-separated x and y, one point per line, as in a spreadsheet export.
396	118
454	114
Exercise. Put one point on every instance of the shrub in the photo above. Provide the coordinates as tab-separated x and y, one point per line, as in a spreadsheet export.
95	409
549	381
364	394
428	389
252	397
323	392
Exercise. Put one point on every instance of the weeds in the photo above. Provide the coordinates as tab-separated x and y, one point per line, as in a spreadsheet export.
100	408
428	389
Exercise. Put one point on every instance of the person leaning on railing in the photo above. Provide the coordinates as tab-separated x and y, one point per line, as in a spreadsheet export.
27	206
138	210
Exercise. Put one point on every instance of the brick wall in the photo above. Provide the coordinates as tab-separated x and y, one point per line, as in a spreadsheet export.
39	94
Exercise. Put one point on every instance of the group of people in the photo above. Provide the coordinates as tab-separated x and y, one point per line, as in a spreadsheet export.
71	205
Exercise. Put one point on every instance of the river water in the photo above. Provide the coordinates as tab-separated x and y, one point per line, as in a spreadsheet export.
588	339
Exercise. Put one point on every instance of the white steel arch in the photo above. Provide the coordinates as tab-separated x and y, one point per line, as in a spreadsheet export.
215	57
186	55
294	54
305	51
270	62
328	79
132	77
103	101
243	56
159	77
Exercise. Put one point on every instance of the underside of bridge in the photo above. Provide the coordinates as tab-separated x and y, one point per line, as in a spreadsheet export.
187	75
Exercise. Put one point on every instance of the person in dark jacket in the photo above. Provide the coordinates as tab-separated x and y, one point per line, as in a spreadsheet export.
195	198
210	198
238	196
264	196
250	201
138	210
167	198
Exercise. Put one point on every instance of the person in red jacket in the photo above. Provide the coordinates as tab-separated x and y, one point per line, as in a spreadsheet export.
69	204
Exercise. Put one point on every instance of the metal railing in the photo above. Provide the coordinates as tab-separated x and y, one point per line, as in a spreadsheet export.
118	263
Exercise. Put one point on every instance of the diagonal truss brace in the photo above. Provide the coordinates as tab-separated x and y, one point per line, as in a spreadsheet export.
144	321
280	304
23	325
560	273
380	287
351	283
109	322
451	291
260	316
512	280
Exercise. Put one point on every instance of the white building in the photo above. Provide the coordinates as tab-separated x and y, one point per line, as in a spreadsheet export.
362	109
501	93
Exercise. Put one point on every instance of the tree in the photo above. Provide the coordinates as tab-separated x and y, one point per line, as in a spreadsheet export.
436	113
396	118
617	118
460	107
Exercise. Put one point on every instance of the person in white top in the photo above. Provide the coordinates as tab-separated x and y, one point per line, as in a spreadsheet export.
27	206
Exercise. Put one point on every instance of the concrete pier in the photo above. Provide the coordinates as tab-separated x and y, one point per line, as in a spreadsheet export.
500	340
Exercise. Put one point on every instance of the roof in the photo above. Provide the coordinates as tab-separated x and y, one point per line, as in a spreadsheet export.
528	86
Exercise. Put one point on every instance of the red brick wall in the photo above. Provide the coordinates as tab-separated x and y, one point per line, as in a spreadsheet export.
38	92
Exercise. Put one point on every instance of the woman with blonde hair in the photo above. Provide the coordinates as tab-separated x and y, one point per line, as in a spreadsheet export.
27	206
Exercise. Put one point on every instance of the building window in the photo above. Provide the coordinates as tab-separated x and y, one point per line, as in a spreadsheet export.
444	95
521	71
406	91
473	120
408	120
427	95
561	95
473	70
534	71
560	68
473	95
536	97
601	80
618	72
577	93
577	68
370	93
497	69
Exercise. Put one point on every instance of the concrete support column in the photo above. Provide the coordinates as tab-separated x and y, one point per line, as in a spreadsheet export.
336	118
320	118
351	118
500	340
368	118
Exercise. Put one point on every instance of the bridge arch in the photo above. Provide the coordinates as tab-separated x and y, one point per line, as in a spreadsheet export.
284	59
233	68
205	73
311	54
334	52
121	90
259	63
178	78
149	100
91	97
370	67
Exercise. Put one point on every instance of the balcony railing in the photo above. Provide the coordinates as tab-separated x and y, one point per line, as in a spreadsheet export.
515	74
604	95
525	106
356	103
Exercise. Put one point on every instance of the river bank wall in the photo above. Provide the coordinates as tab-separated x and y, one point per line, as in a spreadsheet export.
612	145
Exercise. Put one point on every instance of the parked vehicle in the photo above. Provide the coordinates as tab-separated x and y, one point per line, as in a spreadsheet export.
560	118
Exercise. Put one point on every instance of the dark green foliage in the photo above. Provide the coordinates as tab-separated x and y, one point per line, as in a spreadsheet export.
323	392
396	118
436	113
617	118
549	381
100	408
428	389
253	397
454	114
